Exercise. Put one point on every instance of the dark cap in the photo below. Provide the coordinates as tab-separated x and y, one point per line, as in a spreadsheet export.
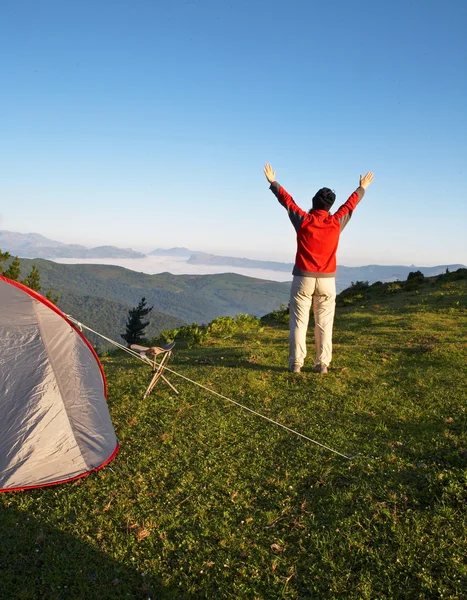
323	199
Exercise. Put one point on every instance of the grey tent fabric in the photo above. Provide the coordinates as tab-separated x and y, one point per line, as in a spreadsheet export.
54	420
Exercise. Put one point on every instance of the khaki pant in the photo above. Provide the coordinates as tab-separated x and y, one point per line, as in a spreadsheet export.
321	291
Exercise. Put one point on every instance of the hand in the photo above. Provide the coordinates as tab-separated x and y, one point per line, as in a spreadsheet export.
270	175
365	181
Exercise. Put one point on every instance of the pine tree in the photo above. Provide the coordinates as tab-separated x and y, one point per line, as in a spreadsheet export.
33	280
3	257
51	297
14	270
135	325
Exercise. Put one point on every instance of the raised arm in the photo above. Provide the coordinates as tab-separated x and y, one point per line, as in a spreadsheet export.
344	213
296	214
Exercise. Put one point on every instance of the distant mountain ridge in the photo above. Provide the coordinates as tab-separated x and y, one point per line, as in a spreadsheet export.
203	258
345	275
35	245
184	252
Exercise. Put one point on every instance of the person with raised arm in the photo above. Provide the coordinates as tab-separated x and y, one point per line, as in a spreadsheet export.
314	273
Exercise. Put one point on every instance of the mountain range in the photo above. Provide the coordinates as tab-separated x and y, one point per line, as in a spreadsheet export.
33	245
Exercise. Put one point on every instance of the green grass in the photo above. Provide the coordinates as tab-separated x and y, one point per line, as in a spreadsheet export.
205	500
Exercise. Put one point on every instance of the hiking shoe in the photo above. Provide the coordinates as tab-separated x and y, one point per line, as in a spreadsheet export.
320	368
295	368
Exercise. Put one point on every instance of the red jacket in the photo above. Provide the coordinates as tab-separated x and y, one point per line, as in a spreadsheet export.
317	233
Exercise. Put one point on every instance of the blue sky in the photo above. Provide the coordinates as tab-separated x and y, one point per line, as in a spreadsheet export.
146	124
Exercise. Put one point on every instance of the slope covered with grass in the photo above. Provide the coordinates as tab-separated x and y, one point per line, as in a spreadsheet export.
191	298
206	500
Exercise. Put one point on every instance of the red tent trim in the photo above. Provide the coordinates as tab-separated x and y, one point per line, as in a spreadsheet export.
35	487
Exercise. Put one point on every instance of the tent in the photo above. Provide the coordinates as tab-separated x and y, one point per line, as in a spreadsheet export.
54	420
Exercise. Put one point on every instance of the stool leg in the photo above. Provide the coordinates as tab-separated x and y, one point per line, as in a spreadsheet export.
169	384
158	369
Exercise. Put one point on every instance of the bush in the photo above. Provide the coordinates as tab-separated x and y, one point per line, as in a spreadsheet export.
248	322
393	288
352	299
355	293
222	327
359	285
415	276
192	335
453	275
281	315
227	326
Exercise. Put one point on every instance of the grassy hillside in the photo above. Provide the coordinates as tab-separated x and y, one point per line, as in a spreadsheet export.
206	500
192	298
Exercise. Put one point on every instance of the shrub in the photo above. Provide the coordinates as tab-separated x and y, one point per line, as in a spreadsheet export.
281	315
355	293
453	275
190	334
359	285
248	322
222	327
227	326
393	288
352	299
416	276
